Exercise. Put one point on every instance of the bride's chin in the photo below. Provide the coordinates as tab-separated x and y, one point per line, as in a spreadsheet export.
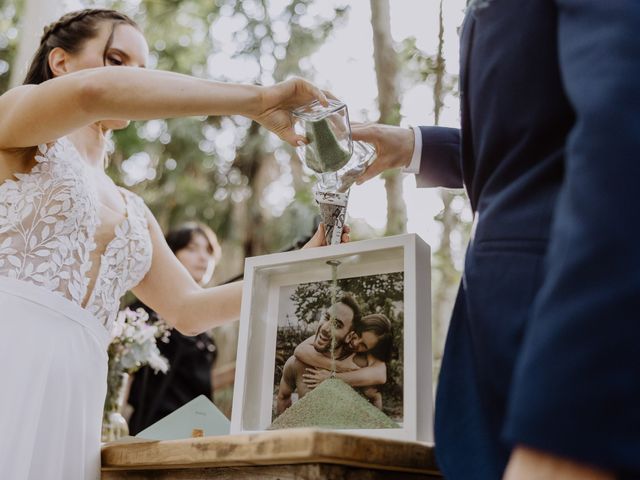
114	124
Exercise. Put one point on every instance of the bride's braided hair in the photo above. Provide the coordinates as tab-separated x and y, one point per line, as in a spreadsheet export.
69	33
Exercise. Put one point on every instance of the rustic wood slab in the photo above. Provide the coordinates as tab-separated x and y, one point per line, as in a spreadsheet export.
297	454
312	471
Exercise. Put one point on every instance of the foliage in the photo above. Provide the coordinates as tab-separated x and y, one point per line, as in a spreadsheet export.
9	29
214	170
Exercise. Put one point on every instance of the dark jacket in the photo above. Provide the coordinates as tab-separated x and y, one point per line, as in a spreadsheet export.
543	344
155	395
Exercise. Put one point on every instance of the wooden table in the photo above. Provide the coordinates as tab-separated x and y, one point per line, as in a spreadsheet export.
300	454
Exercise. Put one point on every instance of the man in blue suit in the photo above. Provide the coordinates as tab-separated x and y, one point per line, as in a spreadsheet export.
541	372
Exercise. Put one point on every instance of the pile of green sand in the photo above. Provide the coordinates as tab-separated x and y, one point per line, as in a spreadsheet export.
333	404
324	153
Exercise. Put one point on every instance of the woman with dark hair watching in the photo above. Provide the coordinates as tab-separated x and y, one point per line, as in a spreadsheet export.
72	243
155	395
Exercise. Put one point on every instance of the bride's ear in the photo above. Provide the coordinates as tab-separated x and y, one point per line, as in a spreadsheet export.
58	62
350	336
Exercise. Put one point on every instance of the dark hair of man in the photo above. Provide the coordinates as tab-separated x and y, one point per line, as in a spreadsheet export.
180	237
70	33
355	308
380	325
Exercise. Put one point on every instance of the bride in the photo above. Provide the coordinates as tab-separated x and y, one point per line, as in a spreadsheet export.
72	242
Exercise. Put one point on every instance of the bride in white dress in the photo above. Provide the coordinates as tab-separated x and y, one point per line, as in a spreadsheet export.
72	243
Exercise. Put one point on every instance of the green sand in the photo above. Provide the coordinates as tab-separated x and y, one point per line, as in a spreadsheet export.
333	404
324	153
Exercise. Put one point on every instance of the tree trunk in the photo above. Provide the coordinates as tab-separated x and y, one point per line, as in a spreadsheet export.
36	14
444	261
386	64
448	275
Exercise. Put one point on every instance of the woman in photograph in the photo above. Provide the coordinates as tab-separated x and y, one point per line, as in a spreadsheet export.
370	344
72	242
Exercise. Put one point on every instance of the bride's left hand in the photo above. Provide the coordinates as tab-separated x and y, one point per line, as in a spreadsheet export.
318	238
278	100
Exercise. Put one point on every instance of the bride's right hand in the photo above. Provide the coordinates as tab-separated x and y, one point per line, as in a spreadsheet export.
277	101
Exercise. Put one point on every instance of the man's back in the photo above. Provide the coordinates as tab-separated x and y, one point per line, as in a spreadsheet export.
550	104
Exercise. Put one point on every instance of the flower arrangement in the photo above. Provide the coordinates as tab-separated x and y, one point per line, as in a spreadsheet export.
133	345
133	342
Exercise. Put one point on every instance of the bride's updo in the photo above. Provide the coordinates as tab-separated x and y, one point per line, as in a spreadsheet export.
69	33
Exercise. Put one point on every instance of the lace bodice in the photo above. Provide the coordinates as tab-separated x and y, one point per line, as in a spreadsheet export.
48	222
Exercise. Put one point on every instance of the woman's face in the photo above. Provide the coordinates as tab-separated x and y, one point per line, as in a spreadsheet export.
128	47
365	342
197	258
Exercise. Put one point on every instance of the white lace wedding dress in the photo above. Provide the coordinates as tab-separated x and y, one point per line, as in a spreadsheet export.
58	299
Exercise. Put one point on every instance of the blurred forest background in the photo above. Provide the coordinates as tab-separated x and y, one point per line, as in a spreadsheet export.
382	293
401	68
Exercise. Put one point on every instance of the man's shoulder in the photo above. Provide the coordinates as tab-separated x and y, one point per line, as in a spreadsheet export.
293	363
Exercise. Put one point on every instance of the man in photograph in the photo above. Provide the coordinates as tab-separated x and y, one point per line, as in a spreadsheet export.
346	313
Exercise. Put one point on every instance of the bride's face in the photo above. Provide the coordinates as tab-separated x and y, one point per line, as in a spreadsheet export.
119	45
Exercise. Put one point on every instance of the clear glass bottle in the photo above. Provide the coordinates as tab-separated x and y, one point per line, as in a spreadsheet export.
329	134
331	153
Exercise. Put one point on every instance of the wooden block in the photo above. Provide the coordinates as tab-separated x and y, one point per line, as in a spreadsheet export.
282	447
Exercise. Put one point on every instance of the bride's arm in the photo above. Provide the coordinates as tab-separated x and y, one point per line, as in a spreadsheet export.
35	114
169	289
373	374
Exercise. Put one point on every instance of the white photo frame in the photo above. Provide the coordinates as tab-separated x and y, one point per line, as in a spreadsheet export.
263	279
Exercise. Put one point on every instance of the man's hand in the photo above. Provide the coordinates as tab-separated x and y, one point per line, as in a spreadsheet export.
318	239
528	464
394	147
277	101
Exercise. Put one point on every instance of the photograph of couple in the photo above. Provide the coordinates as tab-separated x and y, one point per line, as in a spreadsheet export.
364	360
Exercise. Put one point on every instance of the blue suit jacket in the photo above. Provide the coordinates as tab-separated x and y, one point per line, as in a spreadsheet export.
544	344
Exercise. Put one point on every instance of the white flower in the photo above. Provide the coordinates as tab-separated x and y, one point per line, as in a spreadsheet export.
134	340
158	362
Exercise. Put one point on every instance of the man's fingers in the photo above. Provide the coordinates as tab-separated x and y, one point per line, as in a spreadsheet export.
363	132
374	169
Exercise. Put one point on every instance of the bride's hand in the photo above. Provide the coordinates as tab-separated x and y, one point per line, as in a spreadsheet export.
277	101
318	238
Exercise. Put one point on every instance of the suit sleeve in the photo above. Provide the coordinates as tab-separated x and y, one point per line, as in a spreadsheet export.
576	386
440	158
